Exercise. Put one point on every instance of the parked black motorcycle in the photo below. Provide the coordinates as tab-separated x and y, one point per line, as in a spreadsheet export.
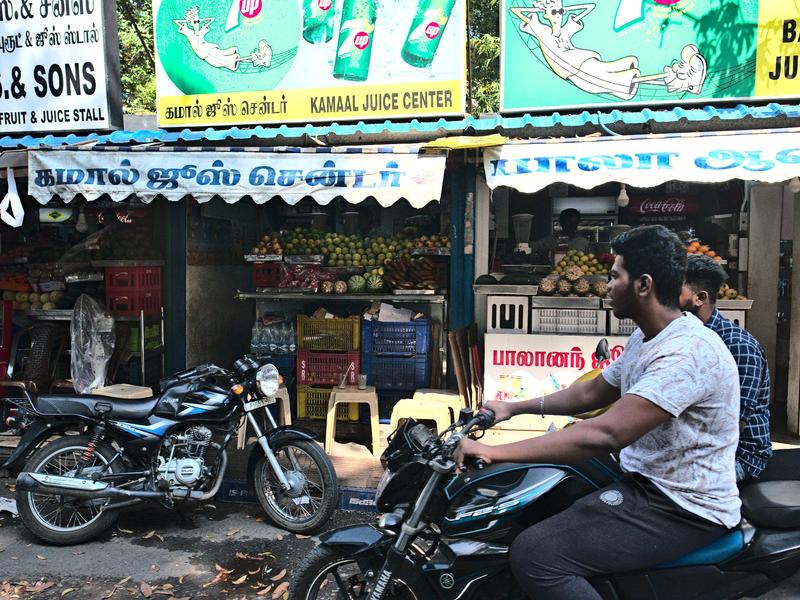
447	536
169	448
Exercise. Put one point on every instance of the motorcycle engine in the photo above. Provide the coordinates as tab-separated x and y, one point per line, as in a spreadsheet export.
182	458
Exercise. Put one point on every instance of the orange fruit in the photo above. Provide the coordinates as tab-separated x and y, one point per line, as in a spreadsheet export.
711	254
718	258
703	249
694	245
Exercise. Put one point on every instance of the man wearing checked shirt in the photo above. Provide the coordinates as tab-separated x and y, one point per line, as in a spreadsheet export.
704	278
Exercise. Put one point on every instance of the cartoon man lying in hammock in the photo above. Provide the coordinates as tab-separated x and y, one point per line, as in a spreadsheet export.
553	26
195	29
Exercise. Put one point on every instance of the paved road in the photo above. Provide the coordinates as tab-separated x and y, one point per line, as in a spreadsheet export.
182	561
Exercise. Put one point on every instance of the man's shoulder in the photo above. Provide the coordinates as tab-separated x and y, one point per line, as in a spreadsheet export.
733	335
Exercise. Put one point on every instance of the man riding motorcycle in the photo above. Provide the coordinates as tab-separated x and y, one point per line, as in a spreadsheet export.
675	397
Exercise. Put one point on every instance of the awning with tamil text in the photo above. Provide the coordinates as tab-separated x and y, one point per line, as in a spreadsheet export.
769	156
354	173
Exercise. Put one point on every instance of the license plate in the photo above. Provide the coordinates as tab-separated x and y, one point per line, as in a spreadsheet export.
256	404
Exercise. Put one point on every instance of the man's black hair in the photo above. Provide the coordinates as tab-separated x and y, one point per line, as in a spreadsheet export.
654	250
705	274
569	212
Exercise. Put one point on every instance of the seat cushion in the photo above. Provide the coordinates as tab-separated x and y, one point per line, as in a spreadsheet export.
93	406
772	504
124	391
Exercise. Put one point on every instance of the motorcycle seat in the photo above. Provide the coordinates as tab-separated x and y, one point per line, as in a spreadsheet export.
772	504
93	406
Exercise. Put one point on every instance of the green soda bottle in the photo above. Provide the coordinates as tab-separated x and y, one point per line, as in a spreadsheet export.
426	31
354	47
318	21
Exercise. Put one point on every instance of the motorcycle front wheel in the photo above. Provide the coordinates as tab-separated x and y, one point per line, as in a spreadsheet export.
311	500
327	574
65	520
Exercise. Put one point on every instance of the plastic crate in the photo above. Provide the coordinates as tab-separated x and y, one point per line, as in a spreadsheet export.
328	335
266	274
152	337
312	403
128	304
386	401
550	320
132	279
327	368
396	339
393	373
620	326
507	314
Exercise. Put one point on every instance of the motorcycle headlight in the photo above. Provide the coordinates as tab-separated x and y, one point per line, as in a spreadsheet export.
268	380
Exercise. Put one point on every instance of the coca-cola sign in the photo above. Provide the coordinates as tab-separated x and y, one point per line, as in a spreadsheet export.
663	206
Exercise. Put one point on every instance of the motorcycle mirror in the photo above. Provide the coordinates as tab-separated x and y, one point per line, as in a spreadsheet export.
464	415
602	352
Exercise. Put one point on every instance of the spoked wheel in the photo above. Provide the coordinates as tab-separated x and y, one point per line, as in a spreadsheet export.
64	520
314	491
328	575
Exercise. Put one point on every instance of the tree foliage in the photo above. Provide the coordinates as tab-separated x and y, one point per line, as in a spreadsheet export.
484	48
137	70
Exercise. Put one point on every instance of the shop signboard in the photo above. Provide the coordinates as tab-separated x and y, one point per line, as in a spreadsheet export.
60	66
232	175
227	62
521	367
646	52
645	161
670	206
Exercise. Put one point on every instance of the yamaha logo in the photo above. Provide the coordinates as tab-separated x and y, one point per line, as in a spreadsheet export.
447	581
432	30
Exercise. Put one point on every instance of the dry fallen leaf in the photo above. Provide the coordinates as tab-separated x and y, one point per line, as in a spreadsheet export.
260	519
148	535
301	537
120	529
168	586
181	578
241	556
241	580
77	552
233	531
164	592
68	591
40	557
222	570
254	572
40	586
146	590
265	591
280	590
160	538
279	576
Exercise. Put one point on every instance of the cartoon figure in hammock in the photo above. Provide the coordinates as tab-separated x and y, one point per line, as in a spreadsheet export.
195	29
553	26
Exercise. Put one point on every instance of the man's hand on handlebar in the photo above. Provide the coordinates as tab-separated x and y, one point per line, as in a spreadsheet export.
502	410
469	450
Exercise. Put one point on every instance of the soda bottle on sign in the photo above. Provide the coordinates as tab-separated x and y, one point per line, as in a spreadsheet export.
354	47
426	31
318	21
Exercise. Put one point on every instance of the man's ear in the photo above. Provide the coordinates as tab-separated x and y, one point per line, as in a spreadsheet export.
644	285
702	297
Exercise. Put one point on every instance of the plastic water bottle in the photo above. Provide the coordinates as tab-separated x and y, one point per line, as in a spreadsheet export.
255	338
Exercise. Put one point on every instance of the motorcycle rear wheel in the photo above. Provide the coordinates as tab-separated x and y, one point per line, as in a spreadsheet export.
312	502
327	574
64	520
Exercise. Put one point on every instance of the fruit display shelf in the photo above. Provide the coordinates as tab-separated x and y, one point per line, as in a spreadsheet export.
292	295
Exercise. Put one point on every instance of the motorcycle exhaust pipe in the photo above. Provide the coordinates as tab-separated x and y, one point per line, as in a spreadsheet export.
78	488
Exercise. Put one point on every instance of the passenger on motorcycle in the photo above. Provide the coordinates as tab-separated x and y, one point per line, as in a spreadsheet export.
674	420
704	278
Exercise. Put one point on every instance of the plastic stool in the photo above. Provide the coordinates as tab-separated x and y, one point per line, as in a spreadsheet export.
281	396
351	394
421	410
450	399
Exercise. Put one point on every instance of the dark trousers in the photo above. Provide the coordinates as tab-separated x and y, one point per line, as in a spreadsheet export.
627	526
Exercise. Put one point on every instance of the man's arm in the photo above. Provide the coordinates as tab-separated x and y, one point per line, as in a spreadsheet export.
579	398
624	423
751	365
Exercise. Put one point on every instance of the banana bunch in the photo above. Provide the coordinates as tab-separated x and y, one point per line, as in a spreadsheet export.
409	274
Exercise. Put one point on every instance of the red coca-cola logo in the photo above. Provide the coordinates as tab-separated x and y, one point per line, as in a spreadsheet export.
250	8
663	206
432	30
324	4
361	40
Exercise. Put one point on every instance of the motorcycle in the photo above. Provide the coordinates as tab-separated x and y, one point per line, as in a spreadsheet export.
169	448
445	535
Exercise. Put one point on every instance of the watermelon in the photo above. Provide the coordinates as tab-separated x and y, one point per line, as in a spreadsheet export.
357	284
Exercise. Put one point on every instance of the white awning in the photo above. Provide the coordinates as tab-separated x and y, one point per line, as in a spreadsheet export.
768	156
355	173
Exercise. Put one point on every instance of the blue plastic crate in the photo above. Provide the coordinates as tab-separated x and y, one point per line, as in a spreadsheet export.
395	373
396	339
386	401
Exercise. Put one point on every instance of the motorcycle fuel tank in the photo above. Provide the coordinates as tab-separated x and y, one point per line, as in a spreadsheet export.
208	404
491	503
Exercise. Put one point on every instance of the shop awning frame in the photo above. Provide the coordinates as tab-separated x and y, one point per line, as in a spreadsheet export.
768	156
386	173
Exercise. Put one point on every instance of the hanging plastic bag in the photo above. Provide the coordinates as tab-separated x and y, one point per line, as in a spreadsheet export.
92	334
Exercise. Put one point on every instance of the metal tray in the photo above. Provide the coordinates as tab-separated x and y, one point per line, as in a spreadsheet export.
430	252
305	259
263	257
127	263
413	292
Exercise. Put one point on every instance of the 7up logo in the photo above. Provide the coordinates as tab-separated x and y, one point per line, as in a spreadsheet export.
361	40
432	30
324	5
252	8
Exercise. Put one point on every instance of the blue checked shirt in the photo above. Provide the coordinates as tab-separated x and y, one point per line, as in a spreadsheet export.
755	446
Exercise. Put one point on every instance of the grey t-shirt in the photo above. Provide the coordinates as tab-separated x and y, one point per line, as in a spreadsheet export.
687	371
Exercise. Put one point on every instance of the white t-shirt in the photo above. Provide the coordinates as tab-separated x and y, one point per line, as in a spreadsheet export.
687	371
